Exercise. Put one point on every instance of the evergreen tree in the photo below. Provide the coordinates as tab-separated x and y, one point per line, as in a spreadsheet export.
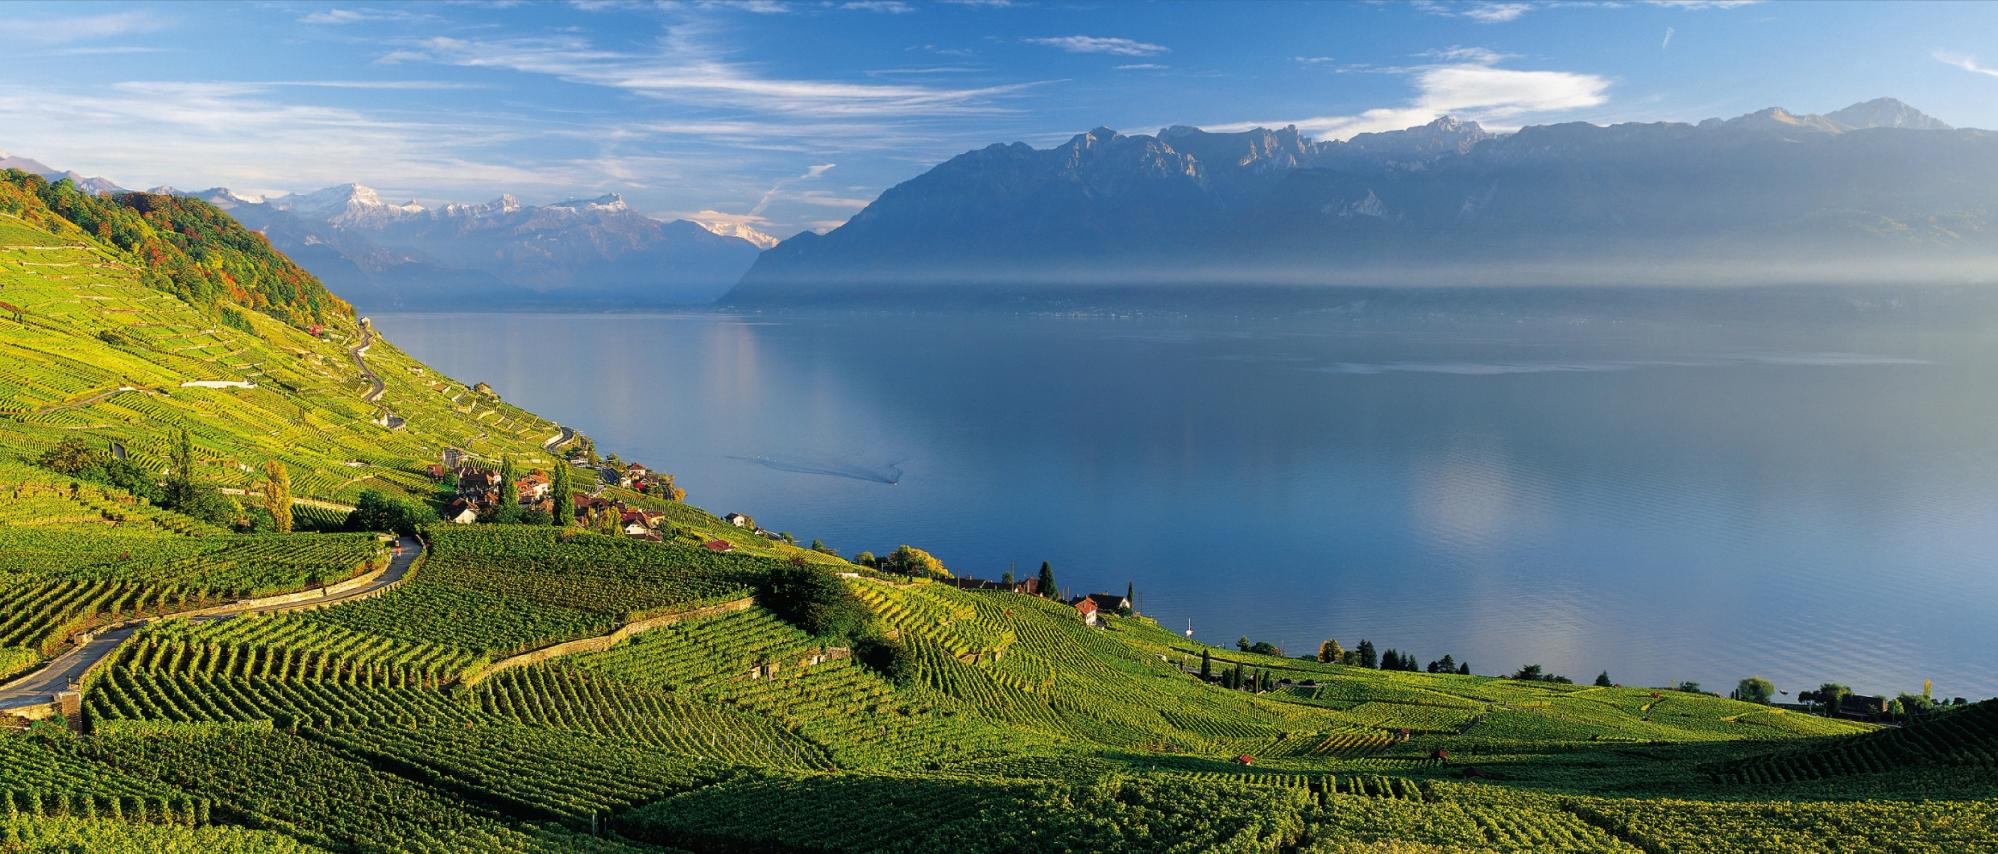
1269	682
1206	667
1130	596
1446	665
508	493
1048	582
277	495
1235	681
1464	669
1367	657
565	499
1603	680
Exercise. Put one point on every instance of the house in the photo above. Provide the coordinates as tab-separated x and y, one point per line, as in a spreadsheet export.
473	481
1110	602
718	546
453	457
533	487
1088	609
636	529
1862	707
436	472
739	520
461	512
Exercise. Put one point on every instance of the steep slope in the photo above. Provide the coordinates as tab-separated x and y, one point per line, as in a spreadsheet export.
1756	197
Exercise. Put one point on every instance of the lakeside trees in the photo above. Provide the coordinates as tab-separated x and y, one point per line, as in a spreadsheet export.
1754	689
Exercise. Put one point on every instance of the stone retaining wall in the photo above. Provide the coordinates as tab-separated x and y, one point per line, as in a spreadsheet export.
604	642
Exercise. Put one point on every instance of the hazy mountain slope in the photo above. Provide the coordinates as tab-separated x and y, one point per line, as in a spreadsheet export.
1762	195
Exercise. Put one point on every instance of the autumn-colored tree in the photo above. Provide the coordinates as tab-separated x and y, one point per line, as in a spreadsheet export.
1330	652
277	494
914	561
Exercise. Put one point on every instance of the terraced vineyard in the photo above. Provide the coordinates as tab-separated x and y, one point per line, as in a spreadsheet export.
958	720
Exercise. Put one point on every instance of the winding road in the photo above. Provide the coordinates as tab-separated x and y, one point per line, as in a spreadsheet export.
376	386
559	439
40	687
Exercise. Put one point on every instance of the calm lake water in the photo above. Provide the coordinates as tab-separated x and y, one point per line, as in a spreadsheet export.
1665	501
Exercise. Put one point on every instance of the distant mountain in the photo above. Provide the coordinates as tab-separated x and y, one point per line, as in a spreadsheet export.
735	229
1769	195
582	253
36	167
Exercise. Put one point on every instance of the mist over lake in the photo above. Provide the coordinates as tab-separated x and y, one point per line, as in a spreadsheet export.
1664	499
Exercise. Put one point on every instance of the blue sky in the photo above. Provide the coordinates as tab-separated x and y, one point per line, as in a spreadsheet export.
793	115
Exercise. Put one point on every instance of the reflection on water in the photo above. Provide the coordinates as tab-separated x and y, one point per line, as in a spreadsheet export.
1664	502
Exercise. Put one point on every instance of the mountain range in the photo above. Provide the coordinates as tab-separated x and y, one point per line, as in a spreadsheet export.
590	253
1875	189
585	253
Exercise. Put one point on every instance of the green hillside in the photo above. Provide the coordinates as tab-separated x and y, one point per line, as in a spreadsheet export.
534	688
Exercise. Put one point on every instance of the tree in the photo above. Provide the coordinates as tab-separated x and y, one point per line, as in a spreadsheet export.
509	492
1464	669
1330	653
1603	680
1367	656
1754	689
1269	682
1391	660
1530	673
1130	599
376	511
1206	666
1007	579
564	513
1688	687
1446	664
1235	681
180	483
864	559
917	563
887	657
1242	643
73	456
1831	694
1047	578
277	495
812	599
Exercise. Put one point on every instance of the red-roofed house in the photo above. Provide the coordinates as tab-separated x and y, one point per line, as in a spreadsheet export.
718	546
1087	608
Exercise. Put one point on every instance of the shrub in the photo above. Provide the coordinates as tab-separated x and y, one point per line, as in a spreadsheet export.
374	511
812	599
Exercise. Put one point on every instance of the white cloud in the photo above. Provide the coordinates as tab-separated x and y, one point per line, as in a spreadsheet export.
1483	11
1704	4
1967	63
1311	60
1472	91
889	7
1100	44
338	17
1143	66
685	70
79	28
1668	39
1473	55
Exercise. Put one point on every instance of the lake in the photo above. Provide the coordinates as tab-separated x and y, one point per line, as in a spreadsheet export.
1664	500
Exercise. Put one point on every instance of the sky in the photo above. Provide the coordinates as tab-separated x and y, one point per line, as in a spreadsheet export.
793	115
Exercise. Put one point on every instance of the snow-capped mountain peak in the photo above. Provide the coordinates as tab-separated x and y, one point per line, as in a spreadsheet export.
737	230
606	203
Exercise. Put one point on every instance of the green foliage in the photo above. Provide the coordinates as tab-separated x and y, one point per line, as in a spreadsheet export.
186	247
1754	689
812	599
376	511
887	657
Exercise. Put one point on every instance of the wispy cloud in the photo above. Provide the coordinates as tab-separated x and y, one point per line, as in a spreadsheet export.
1143	66
1113	45
1482	11
1460	53
1967	63
79	28
1668	39
1311	60
1704	4
339	17
886	7
683	69
1469	90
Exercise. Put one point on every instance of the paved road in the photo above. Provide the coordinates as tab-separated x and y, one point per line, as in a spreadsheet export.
559	439
41	686
374	380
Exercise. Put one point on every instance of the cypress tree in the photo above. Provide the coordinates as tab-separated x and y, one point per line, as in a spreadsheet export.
1236	680
1048	582
1206	667
565	502
1464	669
1367	656
1603	680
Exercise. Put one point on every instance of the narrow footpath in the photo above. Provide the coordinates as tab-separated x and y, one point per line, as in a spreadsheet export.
41	686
